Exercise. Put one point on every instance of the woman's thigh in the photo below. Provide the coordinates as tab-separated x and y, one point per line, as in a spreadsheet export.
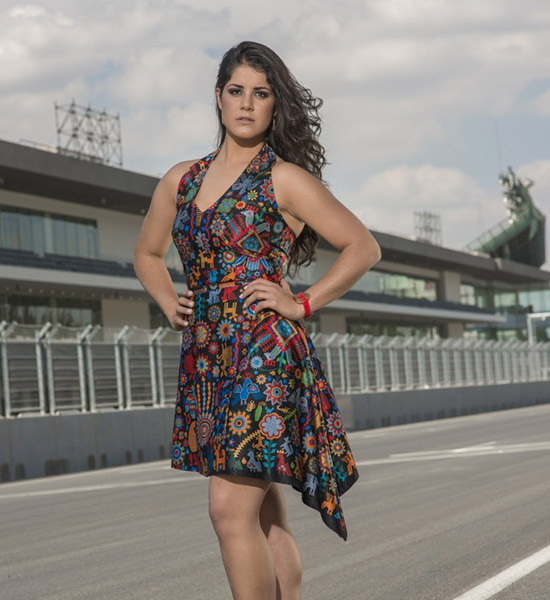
236	498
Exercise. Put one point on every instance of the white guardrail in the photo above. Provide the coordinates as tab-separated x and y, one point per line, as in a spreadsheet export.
54	369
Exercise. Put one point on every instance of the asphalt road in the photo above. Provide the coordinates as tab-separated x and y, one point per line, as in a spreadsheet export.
441	509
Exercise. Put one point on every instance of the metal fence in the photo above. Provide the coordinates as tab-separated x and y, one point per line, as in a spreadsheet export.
53	369
388	363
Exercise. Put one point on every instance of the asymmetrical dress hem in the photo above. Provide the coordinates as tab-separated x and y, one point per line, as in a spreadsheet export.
307	499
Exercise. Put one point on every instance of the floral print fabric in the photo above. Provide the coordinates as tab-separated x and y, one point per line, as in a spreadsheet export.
253	398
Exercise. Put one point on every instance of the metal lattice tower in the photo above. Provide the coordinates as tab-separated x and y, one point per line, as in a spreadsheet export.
427	227
88	134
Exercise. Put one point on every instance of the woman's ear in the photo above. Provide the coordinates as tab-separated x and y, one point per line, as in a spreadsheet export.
218	100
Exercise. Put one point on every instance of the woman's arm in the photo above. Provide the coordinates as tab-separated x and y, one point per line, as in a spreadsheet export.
307	199
152	244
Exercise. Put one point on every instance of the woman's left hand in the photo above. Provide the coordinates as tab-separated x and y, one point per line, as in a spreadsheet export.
269	294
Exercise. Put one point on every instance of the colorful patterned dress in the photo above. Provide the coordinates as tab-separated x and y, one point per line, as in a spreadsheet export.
252	398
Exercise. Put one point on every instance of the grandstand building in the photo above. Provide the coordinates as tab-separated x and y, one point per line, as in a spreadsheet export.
68	229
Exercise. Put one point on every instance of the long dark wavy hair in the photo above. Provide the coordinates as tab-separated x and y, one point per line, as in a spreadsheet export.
294	136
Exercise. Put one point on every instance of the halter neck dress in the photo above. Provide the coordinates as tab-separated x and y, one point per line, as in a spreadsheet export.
252	397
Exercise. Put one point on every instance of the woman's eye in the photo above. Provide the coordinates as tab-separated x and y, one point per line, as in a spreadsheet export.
261	94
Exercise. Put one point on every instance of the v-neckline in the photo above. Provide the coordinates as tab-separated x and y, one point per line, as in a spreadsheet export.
210	158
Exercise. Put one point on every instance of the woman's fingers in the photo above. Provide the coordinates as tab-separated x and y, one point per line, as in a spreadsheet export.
186	300
259	285
179	324
258	295
184	309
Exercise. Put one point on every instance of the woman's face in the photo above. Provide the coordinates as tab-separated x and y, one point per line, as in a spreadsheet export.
247	95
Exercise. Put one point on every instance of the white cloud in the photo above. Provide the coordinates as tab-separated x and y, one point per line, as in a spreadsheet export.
539	172
388	200
182	132
541	104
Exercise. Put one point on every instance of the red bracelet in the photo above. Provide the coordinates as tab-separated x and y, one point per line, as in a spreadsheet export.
304	300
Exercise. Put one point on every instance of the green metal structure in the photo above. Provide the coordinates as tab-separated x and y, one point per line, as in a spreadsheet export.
521	236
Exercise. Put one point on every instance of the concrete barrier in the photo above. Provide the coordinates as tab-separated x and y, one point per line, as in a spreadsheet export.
35	446
382	409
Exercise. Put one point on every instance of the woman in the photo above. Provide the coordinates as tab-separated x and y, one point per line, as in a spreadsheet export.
254	408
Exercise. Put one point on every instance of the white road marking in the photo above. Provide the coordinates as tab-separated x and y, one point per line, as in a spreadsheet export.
116	470
471	451
480	445
98	487
489	447
507	577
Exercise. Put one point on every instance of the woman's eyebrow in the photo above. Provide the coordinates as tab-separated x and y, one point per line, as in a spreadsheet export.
261	87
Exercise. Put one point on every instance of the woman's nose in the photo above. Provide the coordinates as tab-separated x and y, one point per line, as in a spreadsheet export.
246	101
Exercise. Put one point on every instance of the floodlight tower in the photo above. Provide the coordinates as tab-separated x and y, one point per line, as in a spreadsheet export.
88	134
427	227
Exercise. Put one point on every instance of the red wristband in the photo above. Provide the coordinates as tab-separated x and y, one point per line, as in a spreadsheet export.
305	302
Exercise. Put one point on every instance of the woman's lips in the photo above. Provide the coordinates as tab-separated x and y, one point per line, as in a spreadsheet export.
244	120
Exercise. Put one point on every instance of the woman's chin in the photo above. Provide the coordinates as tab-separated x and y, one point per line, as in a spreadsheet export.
246	136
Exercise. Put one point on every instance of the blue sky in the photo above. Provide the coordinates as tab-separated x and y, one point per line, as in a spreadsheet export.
414	91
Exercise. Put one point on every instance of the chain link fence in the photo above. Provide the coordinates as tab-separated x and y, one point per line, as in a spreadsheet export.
53	369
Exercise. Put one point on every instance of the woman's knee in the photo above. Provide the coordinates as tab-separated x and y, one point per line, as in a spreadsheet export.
221	509
232	506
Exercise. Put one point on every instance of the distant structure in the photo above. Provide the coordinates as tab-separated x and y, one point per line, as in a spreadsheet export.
520	237
88	134
427	227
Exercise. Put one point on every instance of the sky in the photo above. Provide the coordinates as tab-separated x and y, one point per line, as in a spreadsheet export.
425	102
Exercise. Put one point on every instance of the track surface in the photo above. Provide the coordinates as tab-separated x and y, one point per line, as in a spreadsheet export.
439	510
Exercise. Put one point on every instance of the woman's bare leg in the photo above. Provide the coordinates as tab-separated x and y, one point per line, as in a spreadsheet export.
234	506
288	563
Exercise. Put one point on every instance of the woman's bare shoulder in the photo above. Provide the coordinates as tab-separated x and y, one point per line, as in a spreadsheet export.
286	170
168	185
178	170
284	166
289	178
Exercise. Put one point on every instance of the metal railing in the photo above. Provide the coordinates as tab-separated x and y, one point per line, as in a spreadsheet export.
53	369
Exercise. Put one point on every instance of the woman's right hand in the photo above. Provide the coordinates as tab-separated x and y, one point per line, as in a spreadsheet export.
184	308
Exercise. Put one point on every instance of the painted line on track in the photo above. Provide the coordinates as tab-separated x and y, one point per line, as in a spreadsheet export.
506	578
91	473
468	452
99	487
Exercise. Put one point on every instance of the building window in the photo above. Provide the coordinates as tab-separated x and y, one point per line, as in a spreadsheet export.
537	300
506	301
398	284
474	295
365	325
47	233
37	310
